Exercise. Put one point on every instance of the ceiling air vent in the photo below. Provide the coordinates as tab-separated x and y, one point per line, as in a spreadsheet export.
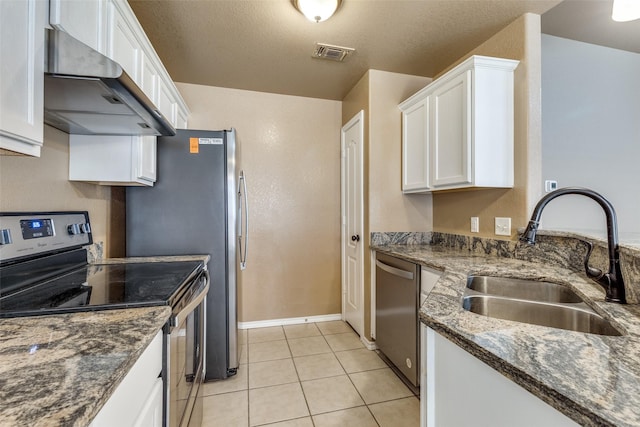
334	53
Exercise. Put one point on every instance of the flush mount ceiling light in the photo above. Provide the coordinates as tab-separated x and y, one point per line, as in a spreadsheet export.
317	10
625	10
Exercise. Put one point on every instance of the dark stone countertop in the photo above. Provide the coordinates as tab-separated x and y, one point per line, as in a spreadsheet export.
59	370
593	379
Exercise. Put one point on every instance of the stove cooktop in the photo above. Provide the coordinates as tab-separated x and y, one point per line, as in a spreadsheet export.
103	286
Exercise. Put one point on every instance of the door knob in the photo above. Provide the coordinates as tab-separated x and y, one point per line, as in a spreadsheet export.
355	238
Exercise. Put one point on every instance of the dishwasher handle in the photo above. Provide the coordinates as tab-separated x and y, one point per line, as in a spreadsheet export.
395	271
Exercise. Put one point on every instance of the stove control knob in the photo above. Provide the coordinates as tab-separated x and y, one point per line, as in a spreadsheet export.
73	229
5	237
85	228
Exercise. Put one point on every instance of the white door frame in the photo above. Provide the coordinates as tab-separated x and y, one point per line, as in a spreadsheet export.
357	120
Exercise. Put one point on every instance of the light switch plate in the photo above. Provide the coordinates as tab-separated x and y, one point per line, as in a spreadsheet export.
475	224
503	226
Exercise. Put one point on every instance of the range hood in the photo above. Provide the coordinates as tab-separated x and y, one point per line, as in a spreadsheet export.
87	93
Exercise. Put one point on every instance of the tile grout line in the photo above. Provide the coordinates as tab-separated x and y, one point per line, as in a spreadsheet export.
299	380
306	402
354	386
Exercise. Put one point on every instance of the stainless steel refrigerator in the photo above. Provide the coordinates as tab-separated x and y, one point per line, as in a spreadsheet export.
197	206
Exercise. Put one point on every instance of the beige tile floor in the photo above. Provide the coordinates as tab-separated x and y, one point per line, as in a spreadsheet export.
314	374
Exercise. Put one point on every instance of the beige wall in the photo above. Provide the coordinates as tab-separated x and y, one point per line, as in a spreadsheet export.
452	211
39	184
389	209
290	152
378	93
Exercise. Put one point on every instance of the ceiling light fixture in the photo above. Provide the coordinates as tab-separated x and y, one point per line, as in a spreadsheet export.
317	10
625	10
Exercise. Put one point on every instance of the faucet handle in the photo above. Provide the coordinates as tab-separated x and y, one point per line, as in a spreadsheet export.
529	234
592	272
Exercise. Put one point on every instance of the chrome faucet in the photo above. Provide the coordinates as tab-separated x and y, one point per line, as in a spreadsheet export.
611	281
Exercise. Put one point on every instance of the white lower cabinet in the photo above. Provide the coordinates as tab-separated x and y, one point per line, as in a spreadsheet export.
460	390
22	47
151	413
112	160
137	401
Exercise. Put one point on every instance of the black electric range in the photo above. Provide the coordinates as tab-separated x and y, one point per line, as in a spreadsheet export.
102	287
44	270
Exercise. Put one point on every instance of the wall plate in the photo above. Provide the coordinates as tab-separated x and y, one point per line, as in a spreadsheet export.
503	226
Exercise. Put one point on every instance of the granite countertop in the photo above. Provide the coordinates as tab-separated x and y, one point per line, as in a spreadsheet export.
593	379
59	370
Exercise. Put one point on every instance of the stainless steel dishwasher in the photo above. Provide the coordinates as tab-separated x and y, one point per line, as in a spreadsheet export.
397	296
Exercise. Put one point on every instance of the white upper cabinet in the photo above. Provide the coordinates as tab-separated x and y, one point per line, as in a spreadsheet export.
84	20
112	160
128	45
22	49
124	160
463	137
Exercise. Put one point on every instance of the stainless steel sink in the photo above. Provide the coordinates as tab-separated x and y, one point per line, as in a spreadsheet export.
575	317
523	289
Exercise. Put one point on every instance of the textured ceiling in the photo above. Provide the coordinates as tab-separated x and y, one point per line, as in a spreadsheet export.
266	45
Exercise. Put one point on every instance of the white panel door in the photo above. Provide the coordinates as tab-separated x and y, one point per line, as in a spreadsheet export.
352	223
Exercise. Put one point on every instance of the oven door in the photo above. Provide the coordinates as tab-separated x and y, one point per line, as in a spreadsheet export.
185	360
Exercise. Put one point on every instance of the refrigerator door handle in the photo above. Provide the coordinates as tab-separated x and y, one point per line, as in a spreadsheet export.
244	220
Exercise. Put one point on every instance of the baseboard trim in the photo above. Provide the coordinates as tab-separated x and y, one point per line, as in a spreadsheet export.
289	321
371	345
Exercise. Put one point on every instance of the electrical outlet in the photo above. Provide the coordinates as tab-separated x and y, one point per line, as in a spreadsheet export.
503	226
475	224
550	185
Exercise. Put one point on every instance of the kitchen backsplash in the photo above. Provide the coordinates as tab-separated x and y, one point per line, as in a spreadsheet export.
95	252
564	250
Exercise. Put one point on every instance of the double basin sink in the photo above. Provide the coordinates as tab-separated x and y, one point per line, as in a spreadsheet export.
535	302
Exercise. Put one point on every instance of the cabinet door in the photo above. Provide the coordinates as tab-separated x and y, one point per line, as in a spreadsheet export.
149	80
415	147
22	75
182	121
84	20
454	376
451	132
135	400
146	146
166	103
151	413
123	47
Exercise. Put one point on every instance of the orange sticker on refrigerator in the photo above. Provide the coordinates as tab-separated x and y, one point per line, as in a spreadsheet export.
194	147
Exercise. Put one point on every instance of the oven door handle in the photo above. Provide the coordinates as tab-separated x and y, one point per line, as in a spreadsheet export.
195	301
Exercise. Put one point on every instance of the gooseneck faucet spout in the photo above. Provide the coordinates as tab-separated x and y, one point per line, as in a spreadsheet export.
611	281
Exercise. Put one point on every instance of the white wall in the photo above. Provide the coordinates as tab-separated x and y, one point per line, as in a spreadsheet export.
591	134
